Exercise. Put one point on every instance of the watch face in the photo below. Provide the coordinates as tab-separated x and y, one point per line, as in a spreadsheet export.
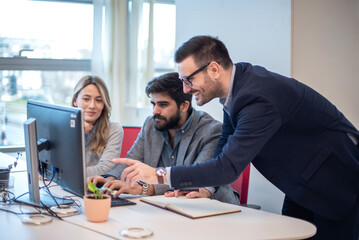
161	171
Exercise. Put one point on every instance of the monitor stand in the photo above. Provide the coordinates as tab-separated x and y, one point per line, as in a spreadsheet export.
35	197
46	199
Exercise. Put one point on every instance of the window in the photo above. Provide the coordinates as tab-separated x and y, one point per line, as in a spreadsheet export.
45	48
146	18
164	37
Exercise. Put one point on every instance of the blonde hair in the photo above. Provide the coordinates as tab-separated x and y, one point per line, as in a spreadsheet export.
98	141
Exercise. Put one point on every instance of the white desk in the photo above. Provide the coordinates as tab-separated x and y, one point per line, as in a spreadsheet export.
11	226
248	224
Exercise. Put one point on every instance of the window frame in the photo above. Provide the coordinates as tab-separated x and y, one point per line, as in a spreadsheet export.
23	63
43	64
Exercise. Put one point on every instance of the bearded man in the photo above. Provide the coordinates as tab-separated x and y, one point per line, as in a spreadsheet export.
175	135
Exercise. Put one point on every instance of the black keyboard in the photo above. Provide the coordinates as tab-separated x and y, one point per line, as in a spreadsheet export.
115	202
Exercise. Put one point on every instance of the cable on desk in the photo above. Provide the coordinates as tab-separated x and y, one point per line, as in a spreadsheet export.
52	213
6	196
75	202
16	213
48	212
69	197
47	208
44	207
38	211
15	200
46	186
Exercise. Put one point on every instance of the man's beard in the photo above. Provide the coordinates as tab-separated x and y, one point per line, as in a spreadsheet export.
167	124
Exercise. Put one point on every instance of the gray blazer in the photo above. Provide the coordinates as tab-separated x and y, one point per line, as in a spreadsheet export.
197	145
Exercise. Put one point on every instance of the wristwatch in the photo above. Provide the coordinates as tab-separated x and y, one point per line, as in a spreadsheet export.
161	173
144	187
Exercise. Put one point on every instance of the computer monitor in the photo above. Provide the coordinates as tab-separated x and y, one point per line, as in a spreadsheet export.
54	144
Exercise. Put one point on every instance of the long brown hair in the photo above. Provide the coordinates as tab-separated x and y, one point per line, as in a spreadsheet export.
98	141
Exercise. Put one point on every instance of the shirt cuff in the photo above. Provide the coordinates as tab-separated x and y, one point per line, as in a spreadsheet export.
108	175
168	176
211	189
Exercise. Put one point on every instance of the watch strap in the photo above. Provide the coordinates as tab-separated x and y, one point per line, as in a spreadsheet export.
160	179
161	173
144	187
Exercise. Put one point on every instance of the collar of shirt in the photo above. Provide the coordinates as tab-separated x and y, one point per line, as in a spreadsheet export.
169	154
226	102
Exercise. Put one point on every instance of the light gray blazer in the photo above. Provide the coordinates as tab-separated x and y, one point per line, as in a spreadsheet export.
197	145
97	165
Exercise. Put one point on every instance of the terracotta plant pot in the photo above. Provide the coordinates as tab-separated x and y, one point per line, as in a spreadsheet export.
97	210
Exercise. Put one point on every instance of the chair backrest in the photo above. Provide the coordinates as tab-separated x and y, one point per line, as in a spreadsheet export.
241	185
129	137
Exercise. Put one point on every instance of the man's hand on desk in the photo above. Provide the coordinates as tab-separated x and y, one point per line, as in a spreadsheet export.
121	187
99	181
137	170
201	193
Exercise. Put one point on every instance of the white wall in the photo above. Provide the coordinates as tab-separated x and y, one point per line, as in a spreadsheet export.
256	31
326	50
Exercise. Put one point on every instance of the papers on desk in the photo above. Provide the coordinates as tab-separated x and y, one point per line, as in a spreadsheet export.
192	208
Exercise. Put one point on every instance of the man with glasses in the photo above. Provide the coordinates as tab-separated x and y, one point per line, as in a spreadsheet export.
176	134
293	135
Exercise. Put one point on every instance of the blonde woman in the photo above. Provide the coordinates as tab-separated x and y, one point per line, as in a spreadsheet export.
103	139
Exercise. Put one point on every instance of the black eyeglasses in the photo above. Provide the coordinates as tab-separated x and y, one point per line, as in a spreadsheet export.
187	81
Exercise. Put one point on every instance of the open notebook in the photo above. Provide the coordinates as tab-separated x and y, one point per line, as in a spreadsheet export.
192	208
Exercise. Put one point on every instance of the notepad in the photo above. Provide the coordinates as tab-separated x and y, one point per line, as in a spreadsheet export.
192	208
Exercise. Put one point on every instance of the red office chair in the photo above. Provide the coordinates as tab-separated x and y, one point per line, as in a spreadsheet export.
129	137
241	186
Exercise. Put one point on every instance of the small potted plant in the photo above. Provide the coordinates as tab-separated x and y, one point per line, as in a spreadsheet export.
97	205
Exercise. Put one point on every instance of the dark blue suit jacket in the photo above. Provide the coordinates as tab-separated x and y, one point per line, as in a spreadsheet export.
293	135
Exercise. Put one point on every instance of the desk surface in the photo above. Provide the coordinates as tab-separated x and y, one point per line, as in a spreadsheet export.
247	224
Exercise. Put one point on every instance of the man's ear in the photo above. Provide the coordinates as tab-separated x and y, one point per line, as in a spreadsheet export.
214	69
184	106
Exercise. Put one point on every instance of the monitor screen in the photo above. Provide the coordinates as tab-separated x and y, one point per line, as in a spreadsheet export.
54	144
